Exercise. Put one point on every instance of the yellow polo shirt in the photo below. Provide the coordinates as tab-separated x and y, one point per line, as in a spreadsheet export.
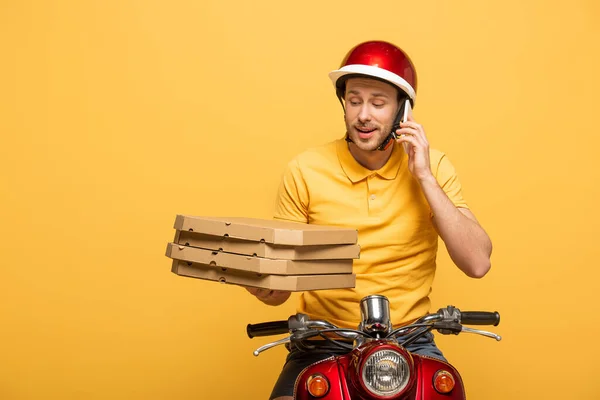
327	186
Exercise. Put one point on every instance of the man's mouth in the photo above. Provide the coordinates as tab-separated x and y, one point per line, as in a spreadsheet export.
365	133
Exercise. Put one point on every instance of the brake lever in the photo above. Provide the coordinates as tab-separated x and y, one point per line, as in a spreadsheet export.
296	336
483	333
271	345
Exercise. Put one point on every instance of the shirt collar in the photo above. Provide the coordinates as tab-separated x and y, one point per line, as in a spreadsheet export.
357	172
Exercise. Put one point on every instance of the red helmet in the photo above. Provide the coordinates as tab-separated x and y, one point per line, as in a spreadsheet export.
380	60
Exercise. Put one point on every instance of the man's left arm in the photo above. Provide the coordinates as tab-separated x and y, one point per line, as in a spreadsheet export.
468	244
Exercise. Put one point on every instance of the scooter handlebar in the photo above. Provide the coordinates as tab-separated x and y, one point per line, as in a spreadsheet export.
479	318
267	329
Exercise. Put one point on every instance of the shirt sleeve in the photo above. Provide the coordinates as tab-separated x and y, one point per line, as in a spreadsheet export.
292	196
448	180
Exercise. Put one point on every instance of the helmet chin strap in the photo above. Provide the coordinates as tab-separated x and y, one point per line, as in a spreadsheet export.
392	135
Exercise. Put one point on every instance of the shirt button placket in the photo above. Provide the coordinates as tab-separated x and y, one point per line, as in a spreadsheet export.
376	186
371	196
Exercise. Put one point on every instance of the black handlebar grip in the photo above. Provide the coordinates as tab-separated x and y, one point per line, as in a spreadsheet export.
267	329
479	318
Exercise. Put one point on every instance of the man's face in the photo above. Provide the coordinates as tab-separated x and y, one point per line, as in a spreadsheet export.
371	107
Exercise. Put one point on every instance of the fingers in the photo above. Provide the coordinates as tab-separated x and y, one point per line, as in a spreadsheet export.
412	128
252	290
258	292
263	294
410	139
413	138
267	294
411	133
280	295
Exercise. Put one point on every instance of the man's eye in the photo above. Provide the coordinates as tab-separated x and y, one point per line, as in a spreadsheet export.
355	103
379	104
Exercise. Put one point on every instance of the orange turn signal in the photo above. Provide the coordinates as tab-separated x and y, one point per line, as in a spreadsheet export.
443	381
317	385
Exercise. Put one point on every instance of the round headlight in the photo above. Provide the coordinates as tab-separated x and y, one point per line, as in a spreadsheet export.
385	373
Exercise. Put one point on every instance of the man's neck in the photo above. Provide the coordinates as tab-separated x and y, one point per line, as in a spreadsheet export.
372	160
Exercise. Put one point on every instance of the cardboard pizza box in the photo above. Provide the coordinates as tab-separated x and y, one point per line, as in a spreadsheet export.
292	283
267	250
267	231
260	265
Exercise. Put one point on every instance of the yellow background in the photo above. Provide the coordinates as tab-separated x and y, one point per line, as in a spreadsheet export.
117	115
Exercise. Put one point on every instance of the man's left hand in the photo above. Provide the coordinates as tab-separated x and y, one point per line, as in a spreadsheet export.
417	148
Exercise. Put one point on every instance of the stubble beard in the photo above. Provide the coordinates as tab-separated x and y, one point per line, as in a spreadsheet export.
369	144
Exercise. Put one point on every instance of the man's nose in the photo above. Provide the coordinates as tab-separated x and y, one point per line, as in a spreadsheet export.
364	115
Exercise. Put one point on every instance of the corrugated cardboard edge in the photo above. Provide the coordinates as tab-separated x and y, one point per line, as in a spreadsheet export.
220	259
222	228
283	236
268	250
174	266
297	283
311	238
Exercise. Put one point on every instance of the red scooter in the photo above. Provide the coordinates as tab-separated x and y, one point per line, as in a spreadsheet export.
377	365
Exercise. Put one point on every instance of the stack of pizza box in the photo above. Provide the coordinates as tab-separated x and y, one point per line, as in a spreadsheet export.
269	254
